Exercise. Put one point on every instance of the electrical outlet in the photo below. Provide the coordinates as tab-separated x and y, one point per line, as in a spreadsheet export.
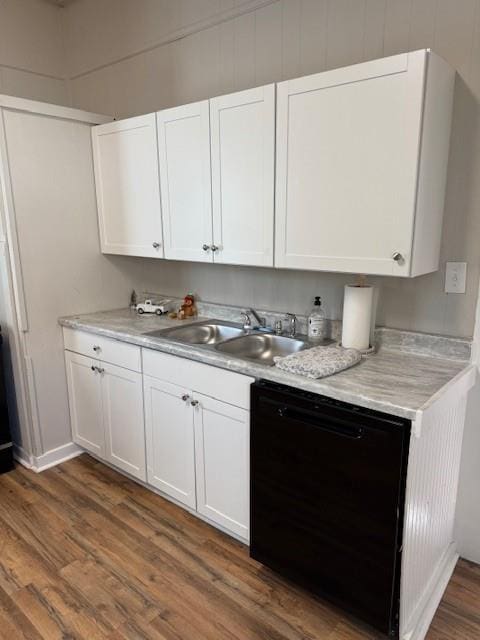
455	277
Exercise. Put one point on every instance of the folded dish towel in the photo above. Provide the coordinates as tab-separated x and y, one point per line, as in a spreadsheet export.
319	362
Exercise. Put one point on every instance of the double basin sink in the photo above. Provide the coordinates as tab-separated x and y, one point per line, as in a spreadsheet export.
229	338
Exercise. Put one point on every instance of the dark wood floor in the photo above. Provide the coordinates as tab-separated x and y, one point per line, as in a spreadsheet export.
85	553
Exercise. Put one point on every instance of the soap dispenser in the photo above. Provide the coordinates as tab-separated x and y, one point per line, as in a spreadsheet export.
317	323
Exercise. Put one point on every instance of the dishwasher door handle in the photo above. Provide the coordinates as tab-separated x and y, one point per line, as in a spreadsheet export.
321	422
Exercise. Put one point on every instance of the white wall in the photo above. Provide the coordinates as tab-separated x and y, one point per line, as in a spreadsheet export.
130	57
127	58
31	51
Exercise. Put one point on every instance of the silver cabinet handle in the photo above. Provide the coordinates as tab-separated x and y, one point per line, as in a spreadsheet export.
156	245
194	403
206	247
97	369
397	256
214	247
185	397
96	348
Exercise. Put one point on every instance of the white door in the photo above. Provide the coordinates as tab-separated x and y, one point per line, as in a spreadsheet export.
222	436
170	440
128	189
122	395
184	158
243	159
347	151
85	400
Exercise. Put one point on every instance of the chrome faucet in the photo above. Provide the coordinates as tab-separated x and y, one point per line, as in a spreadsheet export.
292	318
260	321
247	324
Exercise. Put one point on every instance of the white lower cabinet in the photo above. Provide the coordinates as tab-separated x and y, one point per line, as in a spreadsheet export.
170	440
106	411
85	399
122	402
181	426
222	465
198	437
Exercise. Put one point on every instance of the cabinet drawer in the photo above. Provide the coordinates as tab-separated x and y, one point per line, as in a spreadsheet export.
106	349
227	386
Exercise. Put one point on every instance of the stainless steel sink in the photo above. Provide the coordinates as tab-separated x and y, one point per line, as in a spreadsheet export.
207	332
261	347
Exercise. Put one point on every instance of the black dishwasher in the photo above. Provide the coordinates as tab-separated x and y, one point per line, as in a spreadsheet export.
327	496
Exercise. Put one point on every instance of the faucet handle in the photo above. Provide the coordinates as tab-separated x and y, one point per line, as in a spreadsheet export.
292	318
247	323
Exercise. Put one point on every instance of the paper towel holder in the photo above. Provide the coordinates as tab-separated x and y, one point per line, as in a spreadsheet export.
364	352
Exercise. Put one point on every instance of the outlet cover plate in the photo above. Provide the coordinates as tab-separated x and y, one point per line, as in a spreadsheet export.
456	277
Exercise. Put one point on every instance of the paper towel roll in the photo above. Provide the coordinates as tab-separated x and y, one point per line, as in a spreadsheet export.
357	317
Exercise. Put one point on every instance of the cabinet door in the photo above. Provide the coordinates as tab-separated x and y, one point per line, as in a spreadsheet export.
128	189
222	435
85	400
347	153
243	157
170	440
184	157
122	400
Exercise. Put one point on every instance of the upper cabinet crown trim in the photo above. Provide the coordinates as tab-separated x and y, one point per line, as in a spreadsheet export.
352	73
137	122
52	110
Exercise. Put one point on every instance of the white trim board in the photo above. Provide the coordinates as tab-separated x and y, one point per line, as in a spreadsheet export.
21	456
183	32
435	594
52	110
49	459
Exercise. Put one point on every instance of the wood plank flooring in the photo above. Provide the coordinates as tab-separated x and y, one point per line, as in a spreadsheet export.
87	554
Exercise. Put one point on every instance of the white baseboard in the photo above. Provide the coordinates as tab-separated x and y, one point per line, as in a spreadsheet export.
21	456
55	456
437	590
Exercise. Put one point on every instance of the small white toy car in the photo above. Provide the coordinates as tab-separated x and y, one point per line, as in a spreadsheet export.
149	307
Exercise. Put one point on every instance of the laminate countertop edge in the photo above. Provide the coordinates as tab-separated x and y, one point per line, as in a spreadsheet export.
394	382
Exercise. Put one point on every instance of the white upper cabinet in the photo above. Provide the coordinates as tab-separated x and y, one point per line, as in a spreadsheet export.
361	166
127	183
184	158
243	159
